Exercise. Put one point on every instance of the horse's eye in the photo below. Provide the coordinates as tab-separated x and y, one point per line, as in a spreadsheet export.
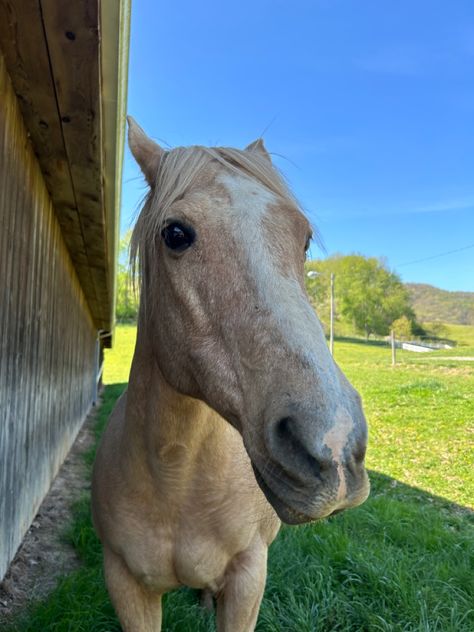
178	237
308	243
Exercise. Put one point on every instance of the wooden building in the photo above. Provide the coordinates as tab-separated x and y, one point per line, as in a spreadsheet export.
63	73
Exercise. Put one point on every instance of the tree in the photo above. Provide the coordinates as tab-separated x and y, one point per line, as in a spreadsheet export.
368	295
402	328
126	308
438	329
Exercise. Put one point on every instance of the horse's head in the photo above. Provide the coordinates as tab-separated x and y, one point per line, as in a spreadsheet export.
222	246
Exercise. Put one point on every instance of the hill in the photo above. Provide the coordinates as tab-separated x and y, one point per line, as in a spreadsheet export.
432	304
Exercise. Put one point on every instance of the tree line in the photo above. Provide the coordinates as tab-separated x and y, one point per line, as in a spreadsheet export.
369	298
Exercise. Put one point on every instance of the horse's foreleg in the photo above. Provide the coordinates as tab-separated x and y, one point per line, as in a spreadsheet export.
239	600
138	609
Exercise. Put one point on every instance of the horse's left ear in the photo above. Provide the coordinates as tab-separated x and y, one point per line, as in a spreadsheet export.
259	147
146	152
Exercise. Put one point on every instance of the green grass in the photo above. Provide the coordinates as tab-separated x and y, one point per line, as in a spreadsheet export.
119	358
401	562
463	334
421	417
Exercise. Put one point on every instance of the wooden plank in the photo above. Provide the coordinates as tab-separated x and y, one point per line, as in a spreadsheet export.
23	45
73	43
63	123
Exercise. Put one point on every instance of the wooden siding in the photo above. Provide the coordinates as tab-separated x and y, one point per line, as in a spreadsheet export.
48	338
52	51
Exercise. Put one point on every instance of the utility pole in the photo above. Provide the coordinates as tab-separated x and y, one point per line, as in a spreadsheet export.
392	340
331	331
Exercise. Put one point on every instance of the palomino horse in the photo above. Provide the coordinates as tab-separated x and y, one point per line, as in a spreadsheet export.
236	415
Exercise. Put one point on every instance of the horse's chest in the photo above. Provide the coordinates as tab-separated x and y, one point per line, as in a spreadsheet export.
210	534
164	555
164	560
148	553
201	562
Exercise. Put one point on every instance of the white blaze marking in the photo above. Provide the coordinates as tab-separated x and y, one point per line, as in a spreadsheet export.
282	295
336	440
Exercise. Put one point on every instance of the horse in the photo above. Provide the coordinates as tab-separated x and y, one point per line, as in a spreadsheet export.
236	417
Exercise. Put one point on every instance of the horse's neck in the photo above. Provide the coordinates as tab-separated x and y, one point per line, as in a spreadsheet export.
180	446
160	420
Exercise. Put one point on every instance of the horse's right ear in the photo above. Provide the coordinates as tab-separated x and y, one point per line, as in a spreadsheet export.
146	152
258	146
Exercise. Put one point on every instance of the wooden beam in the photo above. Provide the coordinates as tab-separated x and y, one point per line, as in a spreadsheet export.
52	53
72	35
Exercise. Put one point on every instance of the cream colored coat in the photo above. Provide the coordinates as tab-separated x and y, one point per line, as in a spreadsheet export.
232	383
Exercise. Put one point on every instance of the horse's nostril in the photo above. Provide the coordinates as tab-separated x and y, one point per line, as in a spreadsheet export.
283	428
313	464
287	434
359	453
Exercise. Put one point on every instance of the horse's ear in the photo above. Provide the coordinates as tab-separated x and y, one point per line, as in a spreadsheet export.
258	147
145	151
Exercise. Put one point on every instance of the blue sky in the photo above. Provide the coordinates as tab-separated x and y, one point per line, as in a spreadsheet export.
367	105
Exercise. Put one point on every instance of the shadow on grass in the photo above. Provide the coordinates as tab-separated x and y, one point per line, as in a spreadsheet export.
401	561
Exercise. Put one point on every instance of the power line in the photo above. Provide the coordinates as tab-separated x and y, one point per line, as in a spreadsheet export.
441	254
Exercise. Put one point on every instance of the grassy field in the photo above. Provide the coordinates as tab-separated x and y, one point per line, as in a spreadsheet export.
403	561
420	412
463	334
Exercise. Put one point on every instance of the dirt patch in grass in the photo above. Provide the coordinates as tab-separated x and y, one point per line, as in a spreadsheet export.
44	554
444	369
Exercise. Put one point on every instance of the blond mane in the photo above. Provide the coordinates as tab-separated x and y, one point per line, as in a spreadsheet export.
179	169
